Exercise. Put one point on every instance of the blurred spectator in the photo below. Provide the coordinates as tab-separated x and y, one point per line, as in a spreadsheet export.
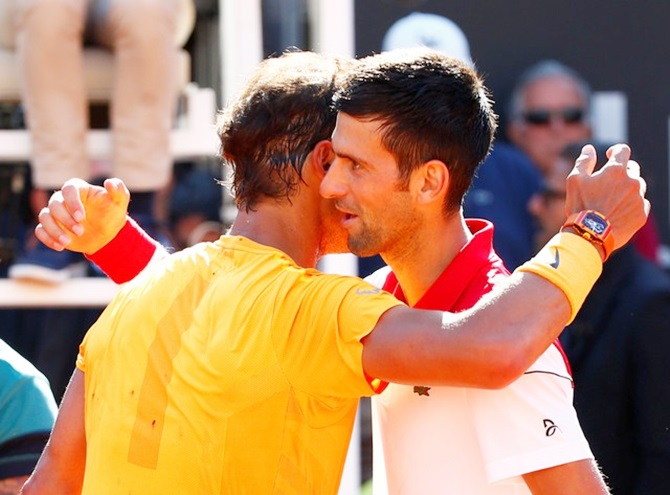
15	216
500	192
618	348
195	207
549	109
50	35
27	414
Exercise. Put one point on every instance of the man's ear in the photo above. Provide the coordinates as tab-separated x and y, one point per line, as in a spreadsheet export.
322	157
433	183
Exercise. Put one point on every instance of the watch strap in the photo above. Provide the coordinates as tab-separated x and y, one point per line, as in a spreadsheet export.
578	223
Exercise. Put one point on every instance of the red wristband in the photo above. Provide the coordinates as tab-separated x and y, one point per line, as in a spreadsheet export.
127	254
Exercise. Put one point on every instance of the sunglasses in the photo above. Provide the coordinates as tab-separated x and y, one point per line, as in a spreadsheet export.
544	117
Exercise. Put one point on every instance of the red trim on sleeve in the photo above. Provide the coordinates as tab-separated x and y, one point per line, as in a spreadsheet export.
557	344
127	254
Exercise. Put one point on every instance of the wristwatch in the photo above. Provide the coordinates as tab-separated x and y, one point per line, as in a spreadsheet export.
593	227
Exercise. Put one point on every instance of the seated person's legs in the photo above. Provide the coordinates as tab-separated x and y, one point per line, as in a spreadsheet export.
49	46
144	95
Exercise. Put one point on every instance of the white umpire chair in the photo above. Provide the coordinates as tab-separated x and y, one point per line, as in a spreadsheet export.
193	137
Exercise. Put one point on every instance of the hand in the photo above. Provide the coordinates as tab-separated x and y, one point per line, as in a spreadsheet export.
616	190
82	217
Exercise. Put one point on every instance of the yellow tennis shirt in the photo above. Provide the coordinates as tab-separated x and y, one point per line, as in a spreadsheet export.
226	369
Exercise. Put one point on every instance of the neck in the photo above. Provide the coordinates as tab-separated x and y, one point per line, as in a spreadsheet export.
431	249
279	226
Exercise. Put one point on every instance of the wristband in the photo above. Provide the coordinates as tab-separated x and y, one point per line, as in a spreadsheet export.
127	254
571	263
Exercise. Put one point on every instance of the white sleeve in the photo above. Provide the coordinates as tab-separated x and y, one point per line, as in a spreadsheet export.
531	424
378	277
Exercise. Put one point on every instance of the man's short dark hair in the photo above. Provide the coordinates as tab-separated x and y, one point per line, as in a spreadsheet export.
429	106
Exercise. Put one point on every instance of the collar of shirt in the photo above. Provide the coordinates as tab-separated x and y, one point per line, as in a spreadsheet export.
471	274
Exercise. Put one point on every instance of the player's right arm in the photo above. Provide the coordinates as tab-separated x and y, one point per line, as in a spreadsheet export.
494	342
60	470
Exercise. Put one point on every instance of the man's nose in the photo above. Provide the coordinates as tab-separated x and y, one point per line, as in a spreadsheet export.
333	184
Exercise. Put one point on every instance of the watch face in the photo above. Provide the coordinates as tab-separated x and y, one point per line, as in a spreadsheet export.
594	223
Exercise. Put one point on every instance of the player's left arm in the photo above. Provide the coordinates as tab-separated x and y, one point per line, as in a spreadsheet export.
581	477
530	428
60	470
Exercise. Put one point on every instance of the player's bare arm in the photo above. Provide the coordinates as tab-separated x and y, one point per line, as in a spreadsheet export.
60	470
581	477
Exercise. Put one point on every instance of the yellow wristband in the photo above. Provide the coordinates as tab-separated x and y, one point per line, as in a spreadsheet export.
571	263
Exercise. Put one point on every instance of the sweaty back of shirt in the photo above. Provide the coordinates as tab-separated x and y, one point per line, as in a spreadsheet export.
226	369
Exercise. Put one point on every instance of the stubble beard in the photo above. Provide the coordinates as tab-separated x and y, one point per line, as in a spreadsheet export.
365	244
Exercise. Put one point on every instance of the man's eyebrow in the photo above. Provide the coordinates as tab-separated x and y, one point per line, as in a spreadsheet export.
348	156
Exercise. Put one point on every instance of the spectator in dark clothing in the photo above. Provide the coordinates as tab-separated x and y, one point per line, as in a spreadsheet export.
500	192
550	109
618	348
196	202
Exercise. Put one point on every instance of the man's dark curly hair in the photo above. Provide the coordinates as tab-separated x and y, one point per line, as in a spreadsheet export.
281	114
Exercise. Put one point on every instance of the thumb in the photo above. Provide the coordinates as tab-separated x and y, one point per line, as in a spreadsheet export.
586	161
618	154
118	192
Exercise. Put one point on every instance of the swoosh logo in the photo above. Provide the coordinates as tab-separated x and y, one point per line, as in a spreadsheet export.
367	291
557	259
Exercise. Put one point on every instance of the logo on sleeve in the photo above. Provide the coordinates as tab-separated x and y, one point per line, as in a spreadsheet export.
557	260
550	427
361	292
421	390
